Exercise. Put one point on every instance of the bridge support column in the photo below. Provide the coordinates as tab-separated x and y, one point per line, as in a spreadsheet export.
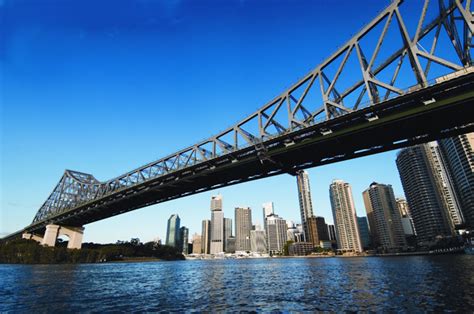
74	234
50	235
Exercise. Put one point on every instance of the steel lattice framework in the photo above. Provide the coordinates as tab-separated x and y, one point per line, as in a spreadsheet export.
353	78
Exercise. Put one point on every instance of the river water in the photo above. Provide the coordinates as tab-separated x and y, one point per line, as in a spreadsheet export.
408	284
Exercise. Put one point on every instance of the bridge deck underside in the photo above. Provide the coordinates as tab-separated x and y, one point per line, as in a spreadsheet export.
401	122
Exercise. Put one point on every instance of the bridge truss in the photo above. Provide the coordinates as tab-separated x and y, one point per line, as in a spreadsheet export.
388	60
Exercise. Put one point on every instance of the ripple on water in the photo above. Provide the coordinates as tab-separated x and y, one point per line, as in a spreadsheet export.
300	284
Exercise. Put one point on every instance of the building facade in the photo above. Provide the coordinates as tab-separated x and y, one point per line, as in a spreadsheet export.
364	232
217	225
458	153
384	217
184	240
197	245
227	231
172	231
257	241
276	234
318	230
306	205
206	237
344	215
428	194
243	226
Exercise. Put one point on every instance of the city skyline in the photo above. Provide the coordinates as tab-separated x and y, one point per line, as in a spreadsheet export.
30	141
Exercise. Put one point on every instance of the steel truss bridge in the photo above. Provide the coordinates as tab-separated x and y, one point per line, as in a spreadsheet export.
389	86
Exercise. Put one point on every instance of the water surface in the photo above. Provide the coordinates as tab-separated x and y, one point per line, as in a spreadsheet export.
416	283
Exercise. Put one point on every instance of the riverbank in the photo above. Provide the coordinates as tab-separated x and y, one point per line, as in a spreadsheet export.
24	251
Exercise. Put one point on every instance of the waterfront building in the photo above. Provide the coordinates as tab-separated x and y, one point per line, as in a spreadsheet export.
227	231
243	226
257	241
217	225
429	194
364	232
197	246
300	248
318	230
384	217
183	239
458	153
206	237
172	231
306	205
276	234
344	215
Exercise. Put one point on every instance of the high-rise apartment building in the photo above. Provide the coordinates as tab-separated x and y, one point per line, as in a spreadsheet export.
172	231
344	215
243	226
227	231
217	225
384	217
429	194
206	237
318	230
364	232
276	234
183	240
458	153
306	205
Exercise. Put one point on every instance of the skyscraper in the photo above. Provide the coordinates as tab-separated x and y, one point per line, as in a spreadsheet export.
183	239
458	154
206	237
217	225
384	217
344	215
172	231
428	193
243	225
276	234
306	206
227	231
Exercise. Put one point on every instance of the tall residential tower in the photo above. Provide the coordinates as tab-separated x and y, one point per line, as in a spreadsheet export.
306	205
344	215
384	218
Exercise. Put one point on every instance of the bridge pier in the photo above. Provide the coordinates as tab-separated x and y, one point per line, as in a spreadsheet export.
54	231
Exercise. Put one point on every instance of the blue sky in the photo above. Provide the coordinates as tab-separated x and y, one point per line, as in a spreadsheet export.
103	87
